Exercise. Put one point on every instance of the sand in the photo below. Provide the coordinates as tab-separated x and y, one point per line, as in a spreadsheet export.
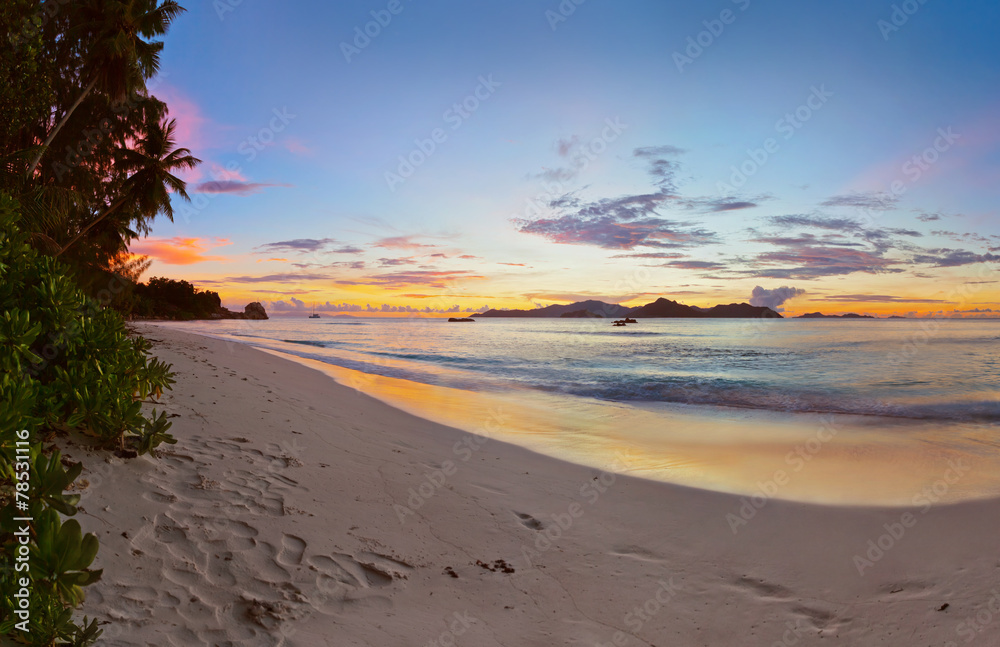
297	511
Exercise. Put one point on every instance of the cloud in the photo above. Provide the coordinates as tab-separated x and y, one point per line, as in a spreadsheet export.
444	296
282	306
565	146
775	298
619	223
559	174
298	306
664	174
696	265
878	298
820	222
652	255
730	205
811	262
433	279
354	265
966	237
662	170
388	308
871	201
514	264
896	231
657	151
633	220
179	251
806	239
297	146
400	242
610	233
390	262
233	187
882	239
278	278
297	245
268	260
928	217
954	258
717	205
307	245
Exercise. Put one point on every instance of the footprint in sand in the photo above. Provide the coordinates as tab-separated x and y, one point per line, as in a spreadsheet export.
763	589
528	521
818	618
370	571
395	568
292	550
330	570
636	552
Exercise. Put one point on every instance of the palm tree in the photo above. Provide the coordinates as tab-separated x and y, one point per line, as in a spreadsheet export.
147	190
120	59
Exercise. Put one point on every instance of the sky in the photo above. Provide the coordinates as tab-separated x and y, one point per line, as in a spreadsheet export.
443	156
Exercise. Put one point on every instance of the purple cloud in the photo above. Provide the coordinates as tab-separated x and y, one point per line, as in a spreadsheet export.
233	187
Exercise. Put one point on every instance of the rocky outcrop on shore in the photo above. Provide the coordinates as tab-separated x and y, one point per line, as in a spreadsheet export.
253	310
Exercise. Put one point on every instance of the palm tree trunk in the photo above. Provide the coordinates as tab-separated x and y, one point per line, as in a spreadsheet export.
114	207
58	127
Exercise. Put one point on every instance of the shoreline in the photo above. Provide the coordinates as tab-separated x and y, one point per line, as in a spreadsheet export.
297	511
811	457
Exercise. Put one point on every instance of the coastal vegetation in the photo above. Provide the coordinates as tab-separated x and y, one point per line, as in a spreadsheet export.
164	298
88	160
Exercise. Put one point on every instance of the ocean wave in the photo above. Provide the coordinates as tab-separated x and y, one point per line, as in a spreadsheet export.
427	357
726	394
306	342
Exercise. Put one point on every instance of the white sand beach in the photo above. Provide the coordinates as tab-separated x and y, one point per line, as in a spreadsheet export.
297	511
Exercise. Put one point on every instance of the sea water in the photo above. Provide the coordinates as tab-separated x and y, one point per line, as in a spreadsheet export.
718	403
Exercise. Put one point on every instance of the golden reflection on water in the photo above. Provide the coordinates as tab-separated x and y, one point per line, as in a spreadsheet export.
845	460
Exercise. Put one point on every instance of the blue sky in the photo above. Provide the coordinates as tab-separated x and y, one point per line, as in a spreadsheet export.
825	104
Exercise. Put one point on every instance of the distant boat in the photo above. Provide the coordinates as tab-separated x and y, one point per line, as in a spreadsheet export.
314	315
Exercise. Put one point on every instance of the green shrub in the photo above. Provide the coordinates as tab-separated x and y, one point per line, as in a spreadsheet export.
66	364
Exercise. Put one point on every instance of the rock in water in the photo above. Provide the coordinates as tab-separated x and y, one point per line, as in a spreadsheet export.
254	311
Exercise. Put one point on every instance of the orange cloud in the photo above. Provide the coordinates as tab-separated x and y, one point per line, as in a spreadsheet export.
267	260
179	251
400	242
